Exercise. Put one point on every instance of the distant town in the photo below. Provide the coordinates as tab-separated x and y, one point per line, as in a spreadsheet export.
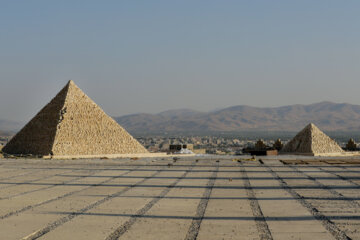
214	144
221	145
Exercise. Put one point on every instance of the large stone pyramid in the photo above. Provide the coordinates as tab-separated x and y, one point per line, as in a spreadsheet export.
311	141
73	125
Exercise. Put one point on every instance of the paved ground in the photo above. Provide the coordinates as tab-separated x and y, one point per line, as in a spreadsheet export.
191	198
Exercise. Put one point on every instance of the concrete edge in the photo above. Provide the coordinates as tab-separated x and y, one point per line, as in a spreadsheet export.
336	154
142	155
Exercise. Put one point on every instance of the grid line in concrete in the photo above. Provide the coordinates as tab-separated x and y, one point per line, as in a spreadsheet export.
69	217
327	223
200	211
261	225
127	225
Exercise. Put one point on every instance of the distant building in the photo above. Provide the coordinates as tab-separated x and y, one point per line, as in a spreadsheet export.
177	147
264	152
199	151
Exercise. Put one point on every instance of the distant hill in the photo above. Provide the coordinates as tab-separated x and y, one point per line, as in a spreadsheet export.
327	116
9	127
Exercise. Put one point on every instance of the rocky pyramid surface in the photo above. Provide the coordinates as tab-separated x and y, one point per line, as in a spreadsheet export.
72	124
311	140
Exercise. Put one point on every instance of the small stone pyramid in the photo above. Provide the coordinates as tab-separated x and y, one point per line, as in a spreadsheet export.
311	141
72	125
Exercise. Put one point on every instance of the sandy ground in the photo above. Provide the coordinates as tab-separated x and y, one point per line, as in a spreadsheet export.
191	198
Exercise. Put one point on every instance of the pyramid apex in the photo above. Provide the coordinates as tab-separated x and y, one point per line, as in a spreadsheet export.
71	85
311	126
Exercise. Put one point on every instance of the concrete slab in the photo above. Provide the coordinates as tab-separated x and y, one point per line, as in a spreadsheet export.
93	198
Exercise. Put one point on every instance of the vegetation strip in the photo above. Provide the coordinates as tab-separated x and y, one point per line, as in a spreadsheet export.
58	198
127	225
326	222
200	211
69	217
261	225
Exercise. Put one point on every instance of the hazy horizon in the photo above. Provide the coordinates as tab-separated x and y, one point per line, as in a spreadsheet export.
148	57
23	121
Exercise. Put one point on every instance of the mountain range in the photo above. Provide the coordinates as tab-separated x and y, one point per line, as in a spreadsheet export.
328	116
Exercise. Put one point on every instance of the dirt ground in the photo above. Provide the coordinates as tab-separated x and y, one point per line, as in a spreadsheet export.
189	198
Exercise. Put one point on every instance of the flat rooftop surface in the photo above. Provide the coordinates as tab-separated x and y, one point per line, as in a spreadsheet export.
188	198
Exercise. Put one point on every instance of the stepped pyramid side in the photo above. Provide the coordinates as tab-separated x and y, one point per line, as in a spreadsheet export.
77	126
301	143
38	135
311	140
322	143
87	130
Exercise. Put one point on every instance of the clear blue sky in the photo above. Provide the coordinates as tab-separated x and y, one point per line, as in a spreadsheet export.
149	56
